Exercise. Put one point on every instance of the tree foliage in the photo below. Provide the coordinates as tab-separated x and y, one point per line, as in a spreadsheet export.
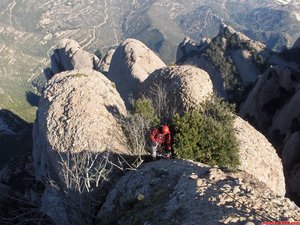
144	108
207	135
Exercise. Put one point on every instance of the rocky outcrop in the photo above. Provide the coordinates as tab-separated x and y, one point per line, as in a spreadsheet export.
185	87
246	66
286	126
258	157
77	113
231	59
105	62
188	46
291	151
68	55
272	91
286	121
181	192
273	107
14	132
130	65
291	163
226	30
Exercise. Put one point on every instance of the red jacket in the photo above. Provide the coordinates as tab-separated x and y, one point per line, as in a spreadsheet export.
160	138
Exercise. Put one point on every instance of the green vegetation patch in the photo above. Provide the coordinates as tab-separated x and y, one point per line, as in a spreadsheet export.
144	107
207	135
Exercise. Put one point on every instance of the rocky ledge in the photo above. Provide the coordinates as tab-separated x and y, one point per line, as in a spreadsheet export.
184	192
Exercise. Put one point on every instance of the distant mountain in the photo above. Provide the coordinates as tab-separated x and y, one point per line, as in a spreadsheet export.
29	31
274	23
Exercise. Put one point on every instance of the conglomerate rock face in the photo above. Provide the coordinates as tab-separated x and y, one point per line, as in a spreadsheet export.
68	55
291	163
271	92
258	157
273	107
182	192
131	64
189	46
286	121
185	86
105	62
78	112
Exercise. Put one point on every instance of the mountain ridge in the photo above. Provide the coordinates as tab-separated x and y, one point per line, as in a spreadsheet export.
98	26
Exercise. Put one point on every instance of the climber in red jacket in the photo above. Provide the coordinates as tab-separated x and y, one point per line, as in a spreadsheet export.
161	145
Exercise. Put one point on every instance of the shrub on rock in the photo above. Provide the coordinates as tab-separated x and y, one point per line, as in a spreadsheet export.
207	135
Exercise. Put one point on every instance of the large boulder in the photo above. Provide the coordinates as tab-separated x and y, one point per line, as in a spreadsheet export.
291	163
258	157
185	87
188	46
286	121
77	113
105	62
272	91
130	65
181	192
68	55
291	151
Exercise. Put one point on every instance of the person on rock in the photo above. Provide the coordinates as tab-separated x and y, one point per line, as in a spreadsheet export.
161	142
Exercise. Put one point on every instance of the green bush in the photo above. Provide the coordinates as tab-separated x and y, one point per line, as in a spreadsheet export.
207	135
144	108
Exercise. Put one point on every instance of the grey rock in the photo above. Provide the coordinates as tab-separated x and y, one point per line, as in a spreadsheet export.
284	120
194	176
187	46
216	174
53	206
77	113
131	64
227	220
275	83
236	190
68	55
249	223
258	157
185	87
293	180
291	151
105	62
183	199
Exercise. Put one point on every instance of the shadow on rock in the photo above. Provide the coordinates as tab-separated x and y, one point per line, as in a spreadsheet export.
32	98
82	183
15	136
181	192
